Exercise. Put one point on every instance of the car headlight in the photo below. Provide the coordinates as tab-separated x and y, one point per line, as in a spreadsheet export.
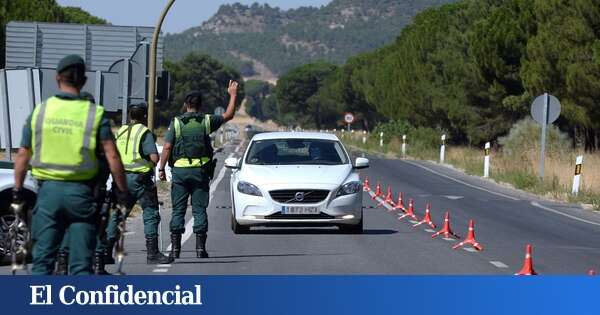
349	189
248	189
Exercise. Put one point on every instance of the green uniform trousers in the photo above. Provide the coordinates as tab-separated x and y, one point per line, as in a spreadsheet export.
143	190
61	208
188	182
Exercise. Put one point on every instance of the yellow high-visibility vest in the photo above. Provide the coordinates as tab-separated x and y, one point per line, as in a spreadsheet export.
129	139
64	136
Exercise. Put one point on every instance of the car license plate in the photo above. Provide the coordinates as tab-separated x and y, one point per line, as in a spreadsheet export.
299	210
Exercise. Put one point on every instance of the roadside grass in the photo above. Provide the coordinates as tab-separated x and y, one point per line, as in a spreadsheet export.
519	169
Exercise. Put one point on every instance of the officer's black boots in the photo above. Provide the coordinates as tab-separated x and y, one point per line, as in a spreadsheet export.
62	263
99	264
108	254
201	245
154	256
175	245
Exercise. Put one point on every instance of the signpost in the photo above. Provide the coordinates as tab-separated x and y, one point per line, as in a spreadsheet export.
577	177
349	119
545	110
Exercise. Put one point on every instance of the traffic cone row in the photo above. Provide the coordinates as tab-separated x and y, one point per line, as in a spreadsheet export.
446	230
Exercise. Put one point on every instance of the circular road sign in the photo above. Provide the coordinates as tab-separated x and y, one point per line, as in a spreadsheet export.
349	118
553	111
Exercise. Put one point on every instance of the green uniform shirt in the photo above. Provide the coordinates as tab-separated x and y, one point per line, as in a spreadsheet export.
104	132
216	121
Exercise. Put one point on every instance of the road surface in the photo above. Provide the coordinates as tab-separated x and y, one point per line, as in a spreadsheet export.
566	239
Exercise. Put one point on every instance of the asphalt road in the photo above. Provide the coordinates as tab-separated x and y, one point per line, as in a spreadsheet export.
566	239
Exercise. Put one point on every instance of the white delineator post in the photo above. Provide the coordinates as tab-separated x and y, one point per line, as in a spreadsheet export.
443	150
381	139
364	139
404	146
577	177
486	161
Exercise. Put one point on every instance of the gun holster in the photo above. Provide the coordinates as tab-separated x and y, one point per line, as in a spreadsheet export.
212	166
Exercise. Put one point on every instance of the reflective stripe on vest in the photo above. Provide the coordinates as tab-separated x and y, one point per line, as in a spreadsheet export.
190	163
64	140
129	139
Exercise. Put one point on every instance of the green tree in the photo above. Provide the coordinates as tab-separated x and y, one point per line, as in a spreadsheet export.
296	92
203	73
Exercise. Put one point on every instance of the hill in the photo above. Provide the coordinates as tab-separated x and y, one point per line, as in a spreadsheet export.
267	41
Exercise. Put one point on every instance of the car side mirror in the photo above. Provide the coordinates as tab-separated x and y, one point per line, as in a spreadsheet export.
361	163
232	163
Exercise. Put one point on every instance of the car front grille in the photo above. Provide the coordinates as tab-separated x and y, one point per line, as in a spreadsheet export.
299	196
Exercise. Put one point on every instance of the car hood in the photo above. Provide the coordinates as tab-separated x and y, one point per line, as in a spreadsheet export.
295	174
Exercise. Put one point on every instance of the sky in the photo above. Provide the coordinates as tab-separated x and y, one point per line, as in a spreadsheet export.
183	15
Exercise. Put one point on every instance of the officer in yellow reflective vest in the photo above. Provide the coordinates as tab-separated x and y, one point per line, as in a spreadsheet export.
137	147
62	139
189	152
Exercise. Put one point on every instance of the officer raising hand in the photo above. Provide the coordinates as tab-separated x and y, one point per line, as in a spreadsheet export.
62	139
189	152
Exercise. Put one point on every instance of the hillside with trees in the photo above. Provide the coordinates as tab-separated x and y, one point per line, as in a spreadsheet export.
248	36
471	69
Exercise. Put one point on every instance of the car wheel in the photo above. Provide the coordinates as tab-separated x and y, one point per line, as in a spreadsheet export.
352	229
237	228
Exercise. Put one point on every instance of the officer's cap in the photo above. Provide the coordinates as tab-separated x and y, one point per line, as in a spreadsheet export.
141	105
68	62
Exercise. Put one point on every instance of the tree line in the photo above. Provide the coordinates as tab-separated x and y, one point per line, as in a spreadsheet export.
471	68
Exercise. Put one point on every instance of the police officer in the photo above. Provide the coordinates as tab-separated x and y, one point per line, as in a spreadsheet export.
62	139
137	146
189	151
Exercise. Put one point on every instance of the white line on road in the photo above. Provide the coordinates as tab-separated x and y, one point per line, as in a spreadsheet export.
449	239
499	264
213	187
164	266
160	270
461	182
469	249
537	205
429	231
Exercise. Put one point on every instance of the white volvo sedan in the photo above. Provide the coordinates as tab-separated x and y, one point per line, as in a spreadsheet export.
296	179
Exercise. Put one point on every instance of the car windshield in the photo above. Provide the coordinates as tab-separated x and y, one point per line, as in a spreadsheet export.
296	152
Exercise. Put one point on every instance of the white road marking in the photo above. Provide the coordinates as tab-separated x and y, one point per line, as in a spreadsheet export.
469	249
159	270
537	205
499	264
129	233
461	182
189	227
449	239
429	231
454	197
164	266
413	221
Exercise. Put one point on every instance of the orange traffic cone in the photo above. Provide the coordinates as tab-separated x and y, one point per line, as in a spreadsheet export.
400	204
388	198
446	230
366	186
470	238
527	269
427	219
410	212
378	192
592	272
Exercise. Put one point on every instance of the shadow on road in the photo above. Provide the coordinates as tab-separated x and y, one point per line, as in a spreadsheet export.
317	232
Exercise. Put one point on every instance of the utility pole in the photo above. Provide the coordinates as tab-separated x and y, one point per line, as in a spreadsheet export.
152	78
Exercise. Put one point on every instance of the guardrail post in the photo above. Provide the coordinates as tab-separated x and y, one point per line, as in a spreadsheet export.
577	177
486	162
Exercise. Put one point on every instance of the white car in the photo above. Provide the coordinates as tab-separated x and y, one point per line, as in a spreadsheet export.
296	179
